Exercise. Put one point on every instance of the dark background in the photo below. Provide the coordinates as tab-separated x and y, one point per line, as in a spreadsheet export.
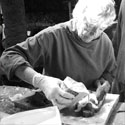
43	13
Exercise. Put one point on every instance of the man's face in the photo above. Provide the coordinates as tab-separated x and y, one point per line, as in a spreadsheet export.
87	32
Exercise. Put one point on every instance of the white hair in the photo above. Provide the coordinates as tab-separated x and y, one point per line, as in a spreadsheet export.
97	12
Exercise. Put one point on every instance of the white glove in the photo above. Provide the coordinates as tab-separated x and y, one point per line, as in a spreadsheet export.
52	90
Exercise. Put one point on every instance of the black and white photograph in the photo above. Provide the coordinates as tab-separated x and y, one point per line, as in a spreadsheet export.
62	62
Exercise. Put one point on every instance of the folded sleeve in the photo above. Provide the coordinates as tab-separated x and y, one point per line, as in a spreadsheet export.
111	67
29	53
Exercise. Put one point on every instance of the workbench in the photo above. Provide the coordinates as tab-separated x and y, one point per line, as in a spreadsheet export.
117	116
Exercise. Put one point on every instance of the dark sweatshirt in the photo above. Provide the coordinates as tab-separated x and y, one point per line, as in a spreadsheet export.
62	53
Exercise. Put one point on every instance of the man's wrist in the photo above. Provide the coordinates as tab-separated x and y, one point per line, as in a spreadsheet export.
37	78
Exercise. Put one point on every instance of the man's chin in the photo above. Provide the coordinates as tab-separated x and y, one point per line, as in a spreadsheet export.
86	40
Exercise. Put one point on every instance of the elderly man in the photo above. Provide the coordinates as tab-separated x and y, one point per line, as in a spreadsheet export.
77	48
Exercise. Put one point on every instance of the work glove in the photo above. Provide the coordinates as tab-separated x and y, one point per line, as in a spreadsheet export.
52	90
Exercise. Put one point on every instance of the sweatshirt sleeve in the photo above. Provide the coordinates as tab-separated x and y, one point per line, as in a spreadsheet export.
29	53
111	66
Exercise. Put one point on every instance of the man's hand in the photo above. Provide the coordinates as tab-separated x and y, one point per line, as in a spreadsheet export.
52	90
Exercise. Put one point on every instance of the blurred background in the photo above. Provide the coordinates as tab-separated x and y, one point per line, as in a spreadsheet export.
41	13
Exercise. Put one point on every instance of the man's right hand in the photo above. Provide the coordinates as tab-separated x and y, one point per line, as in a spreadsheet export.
52	90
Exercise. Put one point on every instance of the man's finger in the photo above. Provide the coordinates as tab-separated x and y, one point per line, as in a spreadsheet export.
63	101
65	94
60	106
